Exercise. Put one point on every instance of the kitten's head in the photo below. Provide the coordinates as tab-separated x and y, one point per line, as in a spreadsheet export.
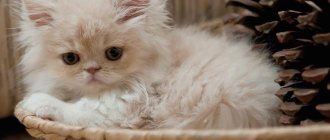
90	44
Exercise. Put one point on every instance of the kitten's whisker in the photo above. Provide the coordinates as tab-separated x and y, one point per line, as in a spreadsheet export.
13	28
15	33
15	9
136	84
12	35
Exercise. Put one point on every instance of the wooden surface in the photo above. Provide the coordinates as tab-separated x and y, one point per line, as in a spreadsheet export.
8	61
5	78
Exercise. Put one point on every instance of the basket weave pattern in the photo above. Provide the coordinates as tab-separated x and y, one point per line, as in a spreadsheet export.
49	130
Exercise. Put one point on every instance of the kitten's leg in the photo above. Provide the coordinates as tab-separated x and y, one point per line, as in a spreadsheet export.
80	113
44	106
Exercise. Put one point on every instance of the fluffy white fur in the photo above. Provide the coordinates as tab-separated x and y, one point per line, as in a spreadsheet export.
167	78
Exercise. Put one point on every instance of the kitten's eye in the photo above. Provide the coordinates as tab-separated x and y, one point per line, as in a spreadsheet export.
114	53
71	58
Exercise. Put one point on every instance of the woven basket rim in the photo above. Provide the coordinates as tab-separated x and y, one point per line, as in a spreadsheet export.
40	128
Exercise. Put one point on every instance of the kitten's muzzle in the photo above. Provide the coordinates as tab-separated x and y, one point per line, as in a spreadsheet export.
93	70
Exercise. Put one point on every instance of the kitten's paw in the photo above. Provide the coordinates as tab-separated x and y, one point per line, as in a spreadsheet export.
49	113
43	106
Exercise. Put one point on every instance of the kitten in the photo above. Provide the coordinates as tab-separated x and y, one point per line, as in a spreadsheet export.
117	64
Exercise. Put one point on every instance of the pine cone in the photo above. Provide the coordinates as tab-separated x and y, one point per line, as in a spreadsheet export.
297	32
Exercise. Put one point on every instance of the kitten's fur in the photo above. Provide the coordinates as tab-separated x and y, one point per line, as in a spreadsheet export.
167	78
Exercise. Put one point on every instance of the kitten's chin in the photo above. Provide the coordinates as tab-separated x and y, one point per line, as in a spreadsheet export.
95	82
94	85
94	88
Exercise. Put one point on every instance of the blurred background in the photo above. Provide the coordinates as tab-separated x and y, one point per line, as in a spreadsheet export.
196	11
184	12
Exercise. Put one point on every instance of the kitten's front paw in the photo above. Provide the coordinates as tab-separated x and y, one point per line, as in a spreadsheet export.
43	106
49	113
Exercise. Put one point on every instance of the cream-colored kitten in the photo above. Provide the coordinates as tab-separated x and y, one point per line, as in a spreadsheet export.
117	64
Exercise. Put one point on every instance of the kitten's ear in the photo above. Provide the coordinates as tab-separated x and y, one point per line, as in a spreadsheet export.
133	9
38	11
140	9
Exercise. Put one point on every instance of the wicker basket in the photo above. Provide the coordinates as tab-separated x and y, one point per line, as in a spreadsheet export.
49	130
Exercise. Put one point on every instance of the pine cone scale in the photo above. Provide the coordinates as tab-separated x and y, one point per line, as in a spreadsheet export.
306	95
322	38
267	27
315	76
324	109
290	109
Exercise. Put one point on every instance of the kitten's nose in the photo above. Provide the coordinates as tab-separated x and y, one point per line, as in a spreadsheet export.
93	70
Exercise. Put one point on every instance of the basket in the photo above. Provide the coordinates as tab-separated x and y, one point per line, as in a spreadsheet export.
49	130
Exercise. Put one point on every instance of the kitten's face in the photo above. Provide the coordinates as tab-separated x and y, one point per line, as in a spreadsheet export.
92	51
103	58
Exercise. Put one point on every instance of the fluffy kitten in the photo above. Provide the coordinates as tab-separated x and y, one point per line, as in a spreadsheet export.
117	64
